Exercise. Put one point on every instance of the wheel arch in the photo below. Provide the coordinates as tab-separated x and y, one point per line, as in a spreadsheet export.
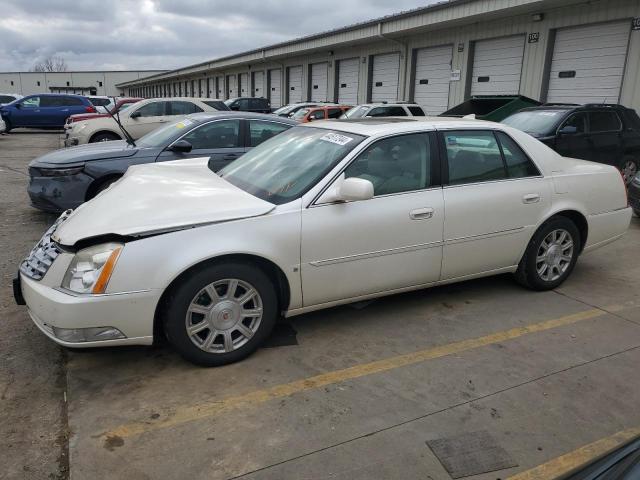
578	218
101	131
98	182
271	269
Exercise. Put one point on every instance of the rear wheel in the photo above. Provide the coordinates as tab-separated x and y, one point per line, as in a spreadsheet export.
8	126
104	137
550	256
629	169
221	313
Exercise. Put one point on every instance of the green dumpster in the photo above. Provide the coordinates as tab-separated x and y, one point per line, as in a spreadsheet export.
494	108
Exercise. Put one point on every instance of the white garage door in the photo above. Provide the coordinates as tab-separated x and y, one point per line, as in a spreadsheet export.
319	77
433	75
348	79
258	84
497	65
384	81
294	84
232	88
275	89
588	63
244	87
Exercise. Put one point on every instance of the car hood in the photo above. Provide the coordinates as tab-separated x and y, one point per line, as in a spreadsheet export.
86	153
160	197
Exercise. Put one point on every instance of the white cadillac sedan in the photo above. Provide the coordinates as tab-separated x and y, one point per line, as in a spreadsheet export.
318	216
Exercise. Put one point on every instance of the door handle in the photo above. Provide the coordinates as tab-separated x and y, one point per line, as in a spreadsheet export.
531	198
421	213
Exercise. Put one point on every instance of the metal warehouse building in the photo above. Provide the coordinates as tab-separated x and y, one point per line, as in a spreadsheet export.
438	56
83	83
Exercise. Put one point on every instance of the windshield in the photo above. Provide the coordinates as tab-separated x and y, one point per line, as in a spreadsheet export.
163	136
356	112
299	115
536	122
285	167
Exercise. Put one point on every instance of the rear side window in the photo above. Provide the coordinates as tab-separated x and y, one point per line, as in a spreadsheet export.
222	134
416	111
334	113
317	115
243	104
6	99
261	131
72	101
604	122
473	156
387	112
100	102
183	108
518	164
155	109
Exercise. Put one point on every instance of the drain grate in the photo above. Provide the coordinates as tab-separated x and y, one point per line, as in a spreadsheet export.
470	454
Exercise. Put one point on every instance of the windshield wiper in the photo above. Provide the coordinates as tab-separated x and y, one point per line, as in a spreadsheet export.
116	118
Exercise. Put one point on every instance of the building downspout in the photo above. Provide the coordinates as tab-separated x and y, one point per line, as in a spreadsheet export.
404	53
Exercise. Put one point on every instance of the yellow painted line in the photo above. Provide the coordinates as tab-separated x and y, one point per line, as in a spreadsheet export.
191	413
573	460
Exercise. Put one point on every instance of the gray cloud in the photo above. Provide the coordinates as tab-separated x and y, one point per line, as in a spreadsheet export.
145	34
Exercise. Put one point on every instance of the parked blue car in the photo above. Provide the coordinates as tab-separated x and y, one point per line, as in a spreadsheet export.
45	110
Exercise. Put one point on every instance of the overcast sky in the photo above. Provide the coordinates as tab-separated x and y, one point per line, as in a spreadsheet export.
159	34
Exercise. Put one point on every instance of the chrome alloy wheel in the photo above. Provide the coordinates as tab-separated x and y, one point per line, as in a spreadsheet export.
224	316
554	255
629	171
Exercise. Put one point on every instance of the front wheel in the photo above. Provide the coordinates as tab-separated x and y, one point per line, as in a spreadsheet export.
104	137
629	169
8	126
221	314
550	256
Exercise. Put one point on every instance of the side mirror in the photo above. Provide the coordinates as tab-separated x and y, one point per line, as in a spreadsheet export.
135	115
568	130
355	189
181	146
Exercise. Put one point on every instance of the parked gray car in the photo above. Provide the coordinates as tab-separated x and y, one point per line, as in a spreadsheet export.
66	178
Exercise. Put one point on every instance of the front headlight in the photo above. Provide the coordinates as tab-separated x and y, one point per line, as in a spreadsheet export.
91	268
57	172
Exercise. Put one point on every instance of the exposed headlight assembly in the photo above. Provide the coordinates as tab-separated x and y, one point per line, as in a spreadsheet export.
91	268
57	172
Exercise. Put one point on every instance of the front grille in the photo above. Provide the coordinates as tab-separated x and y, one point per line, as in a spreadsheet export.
42	256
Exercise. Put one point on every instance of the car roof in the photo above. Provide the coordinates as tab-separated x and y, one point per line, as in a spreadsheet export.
56	95
387	104
391	125
205	116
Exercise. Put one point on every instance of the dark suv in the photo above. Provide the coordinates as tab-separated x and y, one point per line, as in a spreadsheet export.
598	132
249	104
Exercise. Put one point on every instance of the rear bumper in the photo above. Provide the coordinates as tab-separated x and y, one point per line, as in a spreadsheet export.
131	313
607	227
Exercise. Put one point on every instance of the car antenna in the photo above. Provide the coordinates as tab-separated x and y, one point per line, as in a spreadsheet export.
128	137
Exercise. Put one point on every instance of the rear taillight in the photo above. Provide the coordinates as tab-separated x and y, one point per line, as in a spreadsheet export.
91	109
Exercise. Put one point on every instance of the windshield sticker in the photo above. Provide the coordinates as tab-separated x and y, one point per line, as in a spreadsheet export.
336	138
184	123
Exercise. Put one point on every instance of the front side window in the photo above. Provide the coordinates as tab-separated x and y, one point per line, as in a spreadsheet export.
261	131
32	102
285	167
257	104
473	156
300	114
243	104
519	165
317	115
395	165
604	122
579	120
184	108
222	134
155	109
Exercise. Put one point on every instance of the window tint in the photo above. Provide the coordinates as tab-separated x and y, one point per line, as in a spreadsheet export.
579	120
317	115
394	165
416	111
604	122
474	156
257	104
6	98
387	112
243	104
71	101
518	164
155	109
52	101
261	131
33	102
100	102
334	113
222	134
183	108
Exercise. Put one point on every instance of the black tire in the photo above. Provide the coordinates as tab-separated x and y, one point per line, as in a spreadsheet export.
104	137
629	168
527	273
192	287
8	126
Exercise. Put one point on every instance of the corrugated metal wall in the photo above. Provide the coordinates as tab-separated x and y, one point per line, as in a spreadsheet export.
473	23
